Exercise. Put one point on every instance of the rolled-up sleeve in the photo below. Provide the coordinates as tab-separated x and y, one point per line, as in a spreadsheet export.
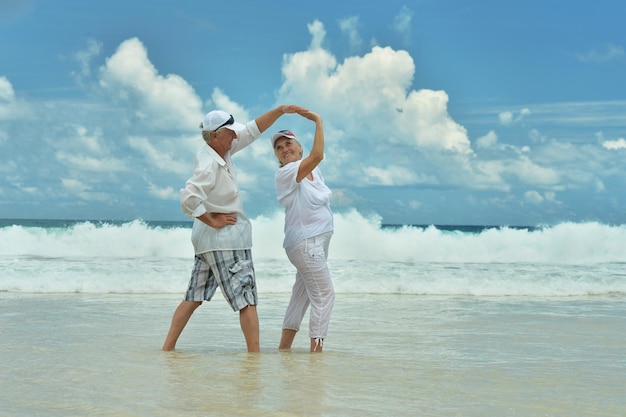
246	136
193	195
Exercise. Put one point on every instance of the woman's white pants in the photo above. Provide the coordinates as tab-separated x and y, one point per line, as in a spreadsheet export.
313	286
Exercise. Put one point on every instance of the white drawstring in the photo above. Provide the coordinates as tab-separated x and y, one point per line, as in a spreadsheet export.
318	342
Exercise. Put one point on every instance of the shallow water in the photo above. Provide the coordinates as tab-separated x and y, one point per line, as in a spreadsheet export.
396	355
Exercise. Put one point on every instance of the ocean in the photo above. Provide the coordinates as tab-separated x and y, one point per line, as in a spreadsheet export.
428	321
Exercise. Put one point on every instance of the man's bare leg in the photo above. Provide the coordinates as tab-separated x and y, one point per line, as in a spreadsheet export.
286	339
181	316
249	321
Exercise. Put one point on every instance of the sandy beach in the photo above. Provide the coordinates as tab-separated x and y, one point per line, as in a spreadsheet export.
396	355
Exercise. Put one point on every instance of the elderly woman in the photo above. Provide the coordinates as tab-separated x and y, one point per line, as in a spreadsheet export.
300	188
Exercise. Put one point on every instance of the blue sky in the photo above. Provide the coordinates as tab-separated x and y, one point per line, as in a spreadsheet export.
435	111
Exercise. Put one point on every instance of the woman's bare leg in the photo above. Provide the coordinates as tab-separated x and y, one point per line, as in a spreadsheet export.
317	344
286	339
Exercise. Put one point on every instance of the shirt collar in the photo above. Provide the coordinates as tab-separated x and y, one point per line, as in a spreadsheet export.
215	155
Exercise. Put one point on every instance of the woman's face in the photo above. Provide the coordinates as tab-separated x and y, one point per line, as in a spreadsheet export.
287	150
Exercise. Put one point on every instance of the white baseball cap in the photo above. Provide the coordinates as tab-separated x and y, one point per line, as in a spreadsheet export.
217	119
283	133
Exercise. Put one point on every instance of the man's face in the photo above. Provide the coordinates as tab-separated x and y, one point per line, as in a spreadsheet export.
223	139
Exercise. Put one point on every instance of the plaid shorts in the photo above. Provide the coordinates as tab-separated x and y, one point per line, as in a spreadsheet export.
232	271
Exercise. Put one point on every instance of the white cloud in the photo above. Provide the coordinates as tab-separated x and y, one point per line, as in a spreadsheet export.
487	141
395	175
245	179
533	197
599	186
87	150
84	58
374	87
7	95
167	193
414	204
508	117
74	185
223	102
158	158
88	141
342	197
402	22
162	102
91	163
551	197
615	144
425	117
531	173
10	107
368	104
536	136
349	26
602	54
318	32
